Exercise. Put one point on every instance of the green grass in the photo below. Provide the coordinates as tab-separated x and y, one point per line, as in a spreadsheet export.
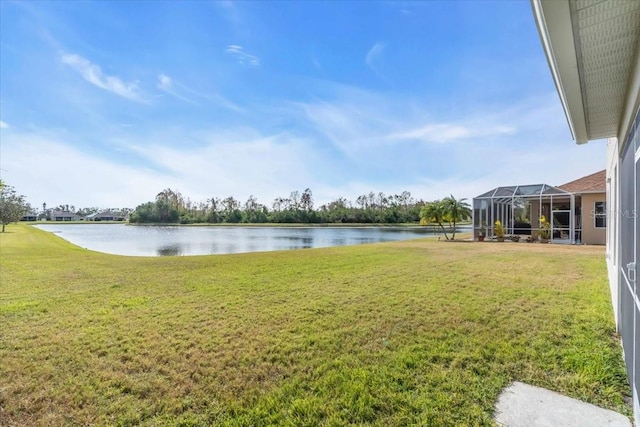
406	333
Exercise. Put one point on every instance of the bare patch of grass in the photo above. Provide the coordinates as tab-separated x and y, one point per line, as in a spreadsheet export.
405	333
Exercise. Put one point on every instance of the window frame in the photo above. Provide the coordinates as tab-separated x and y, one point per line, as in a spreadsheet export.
600	215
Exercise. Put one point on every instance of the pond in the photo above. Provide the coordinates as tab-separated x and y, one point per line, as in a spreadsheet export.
122	239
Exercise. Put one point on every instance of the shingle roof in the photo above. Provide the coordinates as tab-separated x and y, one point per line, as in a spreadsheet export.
596	182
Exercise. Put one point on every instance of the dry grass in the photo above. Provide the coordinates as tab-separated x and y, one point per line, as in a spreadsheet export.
406	333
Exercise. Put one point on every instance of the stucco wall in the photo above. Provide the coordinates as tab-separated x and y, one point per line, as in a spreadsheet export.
613	206
590	234
535	218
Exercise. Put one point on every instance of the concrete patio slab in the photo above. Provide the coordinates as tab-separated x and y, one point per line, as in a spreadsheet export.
523	405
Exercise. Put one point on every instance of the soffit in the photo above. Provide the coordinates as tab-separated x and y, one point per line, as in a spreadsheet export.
606	34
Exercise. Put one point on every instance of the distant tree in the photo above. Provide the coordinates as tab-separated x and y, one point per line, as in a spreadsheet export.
407	201
456	210
144	213
214	212
307	200
434	212
414	211
336	211
254	212
277	204
171	198
231	210
382	201
294	197
12	206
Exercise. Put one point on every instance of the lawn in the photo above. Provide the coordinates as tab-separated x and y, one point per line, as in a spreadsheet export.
406	333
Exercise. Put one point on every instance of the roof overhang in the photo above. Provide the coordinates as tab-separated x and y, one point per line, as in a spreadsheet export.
579	193
592	49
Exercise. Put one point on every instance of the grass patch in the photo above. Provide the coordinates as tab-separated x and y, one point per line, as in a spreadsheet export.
405	333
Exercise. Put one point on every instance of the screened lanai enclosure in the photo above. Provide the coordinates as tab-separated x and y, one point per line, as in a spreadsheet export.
519	209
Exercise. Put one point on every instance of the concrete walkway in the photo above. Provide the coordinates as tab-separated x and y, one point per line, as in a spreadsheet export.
523	405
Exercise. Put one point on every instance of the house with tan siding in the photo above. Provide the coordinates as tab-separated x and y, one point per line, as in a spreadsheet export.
590	194
576	212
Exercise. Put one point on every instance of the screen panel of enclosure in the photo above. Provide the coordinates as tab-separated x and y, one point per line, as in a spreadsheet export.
520	209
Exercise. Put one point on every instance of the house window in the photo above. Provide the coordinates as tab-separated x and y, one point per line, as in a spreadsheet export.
600	214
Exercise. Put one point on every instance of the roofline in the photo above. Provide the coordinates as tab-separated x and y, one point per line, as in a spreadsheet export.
526	196
553	20
577	193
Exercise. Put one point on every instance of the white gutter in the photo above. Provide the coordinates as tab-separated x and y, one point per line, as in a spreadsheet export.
553	19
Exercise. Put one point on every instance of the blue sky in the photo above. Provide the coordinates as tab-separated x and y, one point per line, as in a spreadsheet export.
107	103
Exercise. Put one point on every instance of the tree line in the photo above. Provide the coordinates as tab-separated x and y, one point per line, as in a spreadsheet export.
170	206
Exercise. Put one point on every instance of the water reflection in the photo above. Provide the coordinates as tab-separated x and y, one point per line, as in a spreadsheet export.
122	239
170	250
306	242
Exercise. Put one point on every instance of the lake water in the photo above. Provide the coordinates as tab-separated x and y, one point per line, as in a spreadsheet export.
122	239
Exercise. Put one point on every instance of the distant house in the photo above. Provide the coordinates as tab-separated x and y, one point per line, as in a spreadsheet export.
576	211
31	216
64	216
107	215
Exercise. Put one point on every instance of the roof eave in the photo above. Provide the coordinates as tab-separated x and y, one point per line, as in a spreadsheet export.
553	19
577	193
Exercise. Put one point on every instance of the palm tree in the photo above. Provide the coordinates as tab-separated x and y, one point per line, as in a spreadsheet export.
456	210
434	212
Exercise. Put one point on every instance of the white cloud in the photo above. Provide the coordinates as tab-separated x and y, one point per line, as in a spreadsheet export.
448	132
346	126
166	84
46	168
94	75
3	125
236	163
360	123
241	56
350	143
230	11
392	139
438	132
49	170
183	92
373	54
240	163
316	63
